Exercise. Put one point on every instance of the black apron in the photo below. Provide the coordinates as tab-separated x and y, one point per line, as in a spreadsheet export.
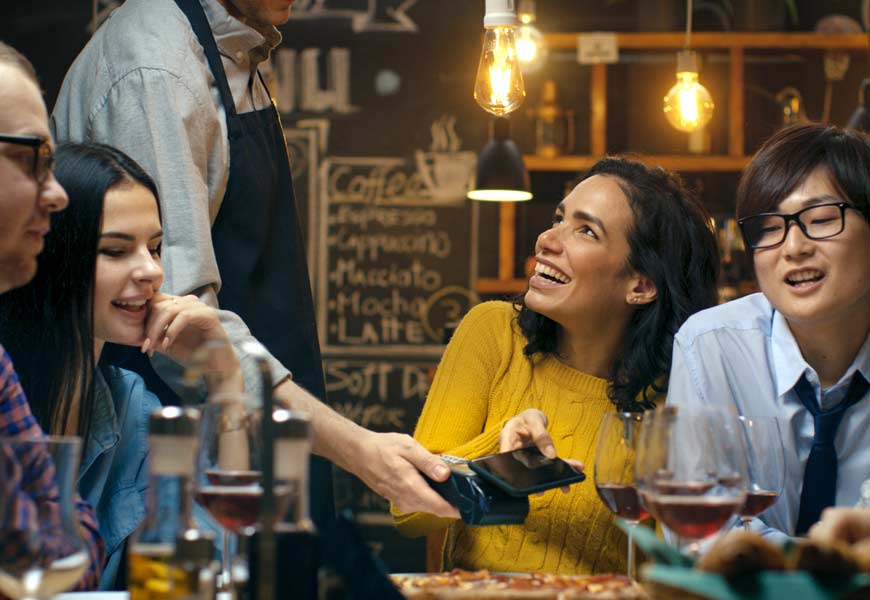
260	252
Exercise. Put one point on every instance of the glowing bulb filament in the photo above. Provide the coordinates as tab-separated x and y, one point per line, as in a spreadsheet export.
689	98
688	105
499	86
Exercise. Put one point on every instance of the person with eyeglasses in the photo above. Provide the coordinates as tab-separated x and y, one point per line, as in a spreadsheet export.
800	349
29	194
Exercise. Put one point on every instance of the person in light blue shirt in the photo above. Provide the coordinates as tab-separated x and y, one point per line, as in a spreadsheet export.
98	281
800	349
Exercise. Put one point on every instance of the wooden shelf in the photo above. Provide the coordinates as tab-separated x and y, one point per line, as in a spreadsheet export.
736	43
674	162
726	40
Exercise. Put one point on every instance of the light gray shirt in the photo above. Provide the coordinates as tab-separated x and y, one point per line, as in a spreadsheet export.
742	356
142	84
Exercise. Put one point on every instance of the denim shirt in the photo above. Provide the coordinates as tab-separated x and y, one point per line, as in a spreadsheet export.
114	471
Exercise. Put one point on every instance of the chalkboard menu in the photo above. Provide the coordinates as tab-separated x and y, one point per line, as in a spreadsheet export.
397	260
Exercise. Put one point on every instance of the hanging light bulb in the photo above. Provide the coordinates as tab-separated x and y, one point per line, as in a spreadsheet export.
499	87
688	105
531	47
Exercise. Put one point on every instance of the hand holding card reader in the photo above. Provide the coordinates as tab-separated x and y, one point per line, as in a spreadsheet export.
494	489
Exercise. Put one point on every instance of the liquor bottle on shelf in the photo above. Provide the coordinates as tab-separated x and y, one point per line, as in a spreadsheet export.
169	558
296	548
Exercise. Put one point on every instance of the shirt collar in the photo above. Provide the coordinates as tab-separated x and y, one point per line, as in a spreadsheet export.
789	363
239	42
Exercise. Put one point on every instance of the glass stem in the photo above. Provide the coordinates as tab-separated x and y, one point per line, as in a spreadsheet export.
226	577
746	522
631	569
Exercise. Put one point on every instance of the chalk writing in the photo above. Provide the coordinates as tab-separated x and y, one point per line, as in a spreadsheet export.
312	96
364	15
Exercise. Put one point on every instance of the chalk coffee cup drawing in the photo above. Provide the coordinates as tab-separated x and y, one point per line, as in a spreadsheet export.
446	175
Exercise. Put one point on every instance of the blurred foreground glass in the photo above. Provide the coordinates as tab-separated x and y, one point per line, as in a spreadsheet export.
614	471
766	462
212	375
691	471
169	558
41	550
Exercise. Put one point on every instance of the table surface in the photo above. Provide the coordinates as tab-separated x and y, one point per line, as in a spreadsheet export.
94	596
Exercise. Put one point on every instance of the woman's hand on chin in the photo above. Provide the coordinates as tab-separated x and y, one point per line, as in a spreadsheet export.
178	325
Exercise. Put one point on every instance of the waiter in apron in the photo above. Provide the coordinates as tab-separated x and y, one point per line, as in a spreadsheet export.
152	83
259	250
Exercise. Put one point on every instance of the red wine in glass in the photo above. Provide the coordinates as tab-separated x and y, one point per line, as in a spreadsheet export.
623	501
683	488
694	517
757	501
238	507
232	478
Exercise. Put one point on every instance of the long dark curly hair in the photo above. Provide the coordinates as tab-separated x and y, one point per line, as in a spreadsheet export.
671	241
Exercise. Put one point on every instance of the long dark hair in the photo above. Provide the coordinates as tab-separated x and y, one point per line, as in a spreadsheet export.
672	242
48	325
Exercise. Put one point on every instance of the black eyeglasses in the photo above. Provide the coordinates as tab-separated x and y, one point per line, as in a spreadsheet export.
818	222
43	155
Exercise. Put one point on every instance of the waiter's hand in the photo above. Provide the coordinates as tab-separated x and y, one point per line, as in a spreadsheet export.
530	428
391	463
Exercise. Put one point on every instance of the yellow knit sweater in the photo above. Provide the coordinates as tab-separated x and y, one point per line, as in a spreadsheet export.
482	381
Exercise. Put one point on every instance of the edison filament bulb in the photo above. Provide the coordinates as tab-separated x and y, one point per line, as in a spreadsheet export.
688	105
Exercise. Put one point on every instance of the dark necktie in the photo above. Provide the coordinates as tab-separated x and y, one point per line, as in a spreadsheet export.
820	476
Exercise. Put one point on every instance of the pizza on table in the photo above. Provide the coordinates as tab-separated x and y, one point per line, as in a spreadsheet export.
459	584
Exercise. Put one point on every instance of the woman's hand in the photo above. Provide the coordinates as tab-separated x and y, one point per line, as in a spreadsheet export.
178	325
527	428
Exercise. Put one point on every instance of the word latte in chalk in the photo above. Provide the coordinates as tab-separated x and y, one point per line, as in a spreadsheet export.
385	330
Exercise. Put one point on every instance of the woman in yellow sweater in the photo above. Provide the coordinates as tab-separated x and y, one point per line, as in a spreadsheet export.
629	256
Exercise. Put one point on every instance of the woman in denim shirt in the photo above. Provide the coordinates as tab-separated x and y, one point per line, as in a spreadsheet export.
98	281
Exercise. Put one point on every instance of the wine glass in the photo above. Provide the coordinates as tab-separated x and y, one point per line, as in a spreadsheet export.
212	372
614	471
692	474
228	473
766	461
41	550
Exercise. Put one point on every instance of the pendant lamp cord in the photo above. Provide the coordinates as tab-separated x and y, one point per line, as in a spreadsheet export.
688	24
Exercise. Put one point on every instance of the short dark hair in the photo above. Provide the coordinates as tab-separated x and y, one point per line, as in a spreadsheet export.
672	242
48	325
786	159
11	56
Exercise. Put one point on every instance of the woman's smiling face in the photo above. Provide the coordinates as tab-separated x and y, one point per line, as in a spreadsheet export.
582	272
128	271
